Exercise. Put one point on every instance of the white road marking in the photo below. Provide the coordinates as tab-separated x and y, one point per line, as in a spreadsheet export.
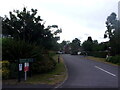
105	71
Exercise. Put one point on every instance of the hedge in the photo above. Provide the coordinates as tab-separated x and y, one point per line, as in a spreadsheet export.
5	69
43	64
114	59
100	54
13	50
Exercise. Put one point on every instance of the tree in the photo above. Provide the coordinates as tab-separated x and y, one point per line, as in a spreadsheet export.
25	25
113	33
25	36
75	46
88	44
90	39
65	46
95	46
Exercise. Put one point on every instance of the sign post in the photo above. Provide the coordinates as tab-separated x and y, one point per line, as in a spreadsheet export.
26	68
20	67
26	60
25	76
19	76
58	58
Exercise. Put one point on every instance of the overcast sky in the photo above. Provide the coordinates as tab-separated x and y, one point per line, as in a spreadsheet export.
77	18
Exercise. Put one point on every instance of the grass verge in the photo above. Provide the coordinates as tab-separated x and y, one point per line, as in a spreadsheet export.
52	78
99	60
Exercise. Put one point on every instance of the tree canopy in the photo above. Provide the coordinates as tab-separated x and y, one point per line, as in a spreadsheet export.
26	25
113	33
87	45
75	46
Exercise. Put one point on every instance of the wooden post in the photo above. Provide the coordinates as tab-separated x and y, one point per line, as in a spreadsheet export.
58	58
19	76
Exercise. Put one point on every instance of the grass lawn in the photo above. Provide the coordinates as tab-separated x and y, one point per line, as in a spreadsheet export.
52	78
56	76
99	60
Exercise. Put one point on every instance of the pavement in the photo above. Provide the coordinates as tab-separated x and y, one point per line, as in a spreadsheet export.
84	73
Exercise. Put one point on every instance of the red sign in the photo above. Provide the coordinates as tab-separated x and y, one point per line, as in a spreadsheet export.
26	67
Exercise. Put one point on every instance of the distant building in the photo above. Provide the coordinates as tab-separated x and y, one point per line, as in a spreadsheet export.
67	49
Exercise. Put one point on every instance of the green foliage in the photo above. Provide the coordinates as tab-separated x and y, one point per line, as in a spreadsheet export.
23	25
5	69
75	46
93	48
113	33
62	45
88	44
103	46
90	39
51	53
24	36
26	26
108	58
114	59
43	64
13	70
101	54
14	50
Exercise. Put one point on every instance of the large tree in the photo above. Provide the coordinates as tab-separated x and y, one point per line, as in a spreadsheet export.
113	33
75	46
26	25
88	44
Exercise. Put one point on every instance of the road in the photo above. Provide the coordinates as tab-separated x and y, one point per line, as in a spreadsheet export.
83	73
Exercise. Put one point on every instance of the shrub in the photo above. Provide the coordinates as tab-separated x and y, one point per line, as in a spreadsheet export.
5	69
9	70
43	64
13	50
51	53
13	70
114	59
101	54
108	58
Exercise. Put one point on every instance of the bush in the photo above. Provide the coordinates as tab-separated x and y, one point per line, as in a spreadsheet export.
43	64
9	70
101	54
114	59
51	53
5	69
14	50
108	58
13	70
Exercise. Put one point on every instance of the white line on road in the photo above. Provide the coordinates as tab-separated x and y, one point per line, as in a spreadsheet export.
105	71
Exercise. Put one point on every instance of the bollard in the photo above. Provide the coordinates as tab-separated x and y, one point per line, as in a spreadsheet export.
58	58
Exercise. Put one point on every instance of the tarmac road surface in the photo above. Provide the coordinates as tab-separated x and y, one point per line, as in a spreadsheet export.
83	73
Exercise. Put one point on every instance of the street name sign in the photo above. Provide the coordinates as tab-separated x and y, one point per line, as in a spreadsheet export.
26	60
